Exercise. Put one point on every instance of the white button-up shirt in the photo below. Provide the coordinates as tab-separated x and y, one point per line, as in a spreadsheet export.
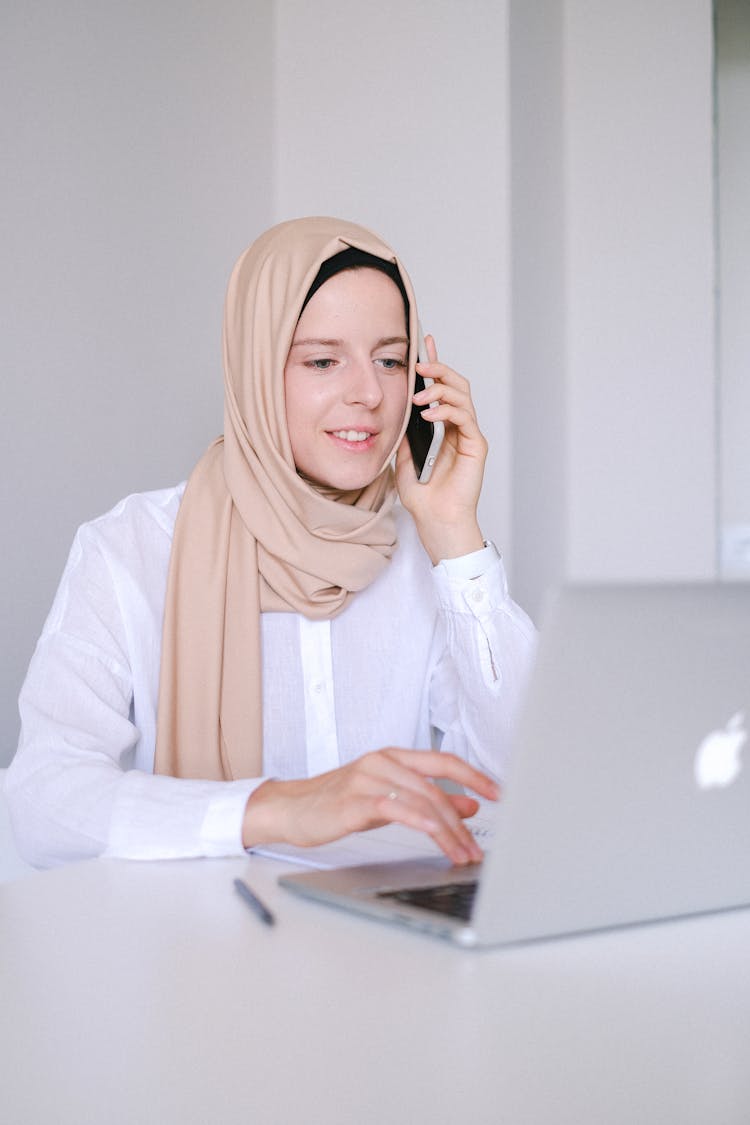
425	656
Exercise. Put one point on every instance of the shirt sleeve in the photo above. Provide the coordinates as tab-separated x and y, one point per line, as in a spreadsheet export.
487	645
69	793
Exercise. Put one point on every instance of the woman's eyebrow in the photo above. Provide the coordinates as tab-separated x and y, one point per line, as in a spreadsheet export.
392	340
317	341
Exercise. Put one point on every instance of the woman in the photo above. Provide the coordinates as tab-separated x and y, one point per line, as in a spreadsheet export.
267	653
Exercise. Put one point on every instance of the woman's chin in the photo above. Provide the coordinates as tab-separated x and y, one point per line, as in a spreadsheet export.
352	477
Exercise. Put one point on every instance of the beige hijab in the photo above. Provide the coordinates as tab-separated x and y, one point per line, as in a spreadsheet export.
252	536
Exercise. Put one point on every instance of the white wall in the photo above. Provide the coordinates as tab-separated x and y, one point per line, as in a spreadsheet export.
396	115
733	147
639	289
613	302
136	143
538	362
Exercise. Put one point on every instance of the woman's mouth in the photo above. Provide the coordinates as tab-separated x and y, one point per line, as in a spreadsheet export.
354	441
352	435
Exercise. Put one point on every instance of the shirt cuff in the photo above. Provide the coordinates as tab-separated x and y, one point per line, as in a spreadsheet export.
473	565
221	830
474	583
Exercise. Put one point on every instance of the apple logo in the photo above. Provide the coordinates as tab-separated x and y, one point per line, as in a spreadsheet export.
718	758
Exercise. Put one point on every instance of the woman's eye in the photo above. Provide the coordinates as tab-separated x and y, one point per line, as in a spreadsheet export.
320	364
390	363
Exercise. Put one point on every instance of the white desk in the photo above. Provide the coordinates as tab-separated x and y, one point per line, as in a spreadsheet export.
149	993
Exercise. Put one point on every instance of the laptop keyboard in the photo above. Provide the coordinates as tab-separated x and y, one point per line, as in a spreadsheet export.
453	899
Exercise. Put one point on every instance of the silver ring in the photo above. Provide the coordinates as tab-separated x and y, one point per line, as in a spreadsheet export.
393	795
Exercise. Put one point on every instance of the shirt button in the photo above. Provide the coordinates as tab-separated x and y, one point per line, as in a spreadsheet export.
317	687
478	595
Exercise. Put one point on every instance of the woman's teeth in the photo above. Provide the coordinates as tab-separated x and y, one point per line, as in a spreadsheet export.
351	435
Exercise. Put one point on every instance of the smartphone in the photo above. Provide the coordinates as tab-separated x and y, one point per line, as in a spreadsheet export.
425	438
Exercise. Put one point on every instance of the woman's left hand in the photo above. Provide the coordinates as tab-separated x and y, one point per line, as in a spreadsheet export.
445	509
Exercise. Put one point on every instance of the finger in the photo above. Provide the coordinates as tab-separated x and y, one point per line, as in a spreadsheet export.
435	763
464	421
443	825
465	806
460	413
429	342
441	392
400	787
451	404
412	793
391	808
398	793
462	426
444	374
455	393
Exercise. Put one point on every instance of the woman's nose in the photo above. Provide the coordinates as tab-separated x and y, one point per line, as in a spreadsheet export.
364	385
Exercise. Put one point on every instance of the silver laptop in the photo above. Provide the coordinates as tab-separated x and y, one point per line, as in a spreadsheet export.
627	799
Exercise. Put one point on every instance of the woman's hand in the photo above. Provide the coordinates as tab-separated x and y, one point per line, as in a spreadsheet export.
445	509
380	787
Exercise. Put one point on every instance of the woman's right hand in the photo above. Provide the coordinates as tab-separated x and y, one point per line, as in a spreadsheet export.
390	785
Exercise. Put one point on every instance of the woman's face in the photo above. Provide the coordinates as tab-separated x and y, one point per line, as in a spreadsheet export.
345	379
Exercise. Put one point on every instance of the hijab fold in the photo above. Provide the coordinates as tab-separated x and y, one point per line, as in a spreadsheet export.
252	536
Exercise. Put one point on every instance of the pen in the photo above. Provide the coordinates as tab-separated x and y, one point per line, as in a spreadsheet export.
254	902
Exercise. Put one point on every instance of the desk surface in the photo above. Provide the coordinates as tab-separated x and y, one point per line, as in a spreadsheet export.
150	993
